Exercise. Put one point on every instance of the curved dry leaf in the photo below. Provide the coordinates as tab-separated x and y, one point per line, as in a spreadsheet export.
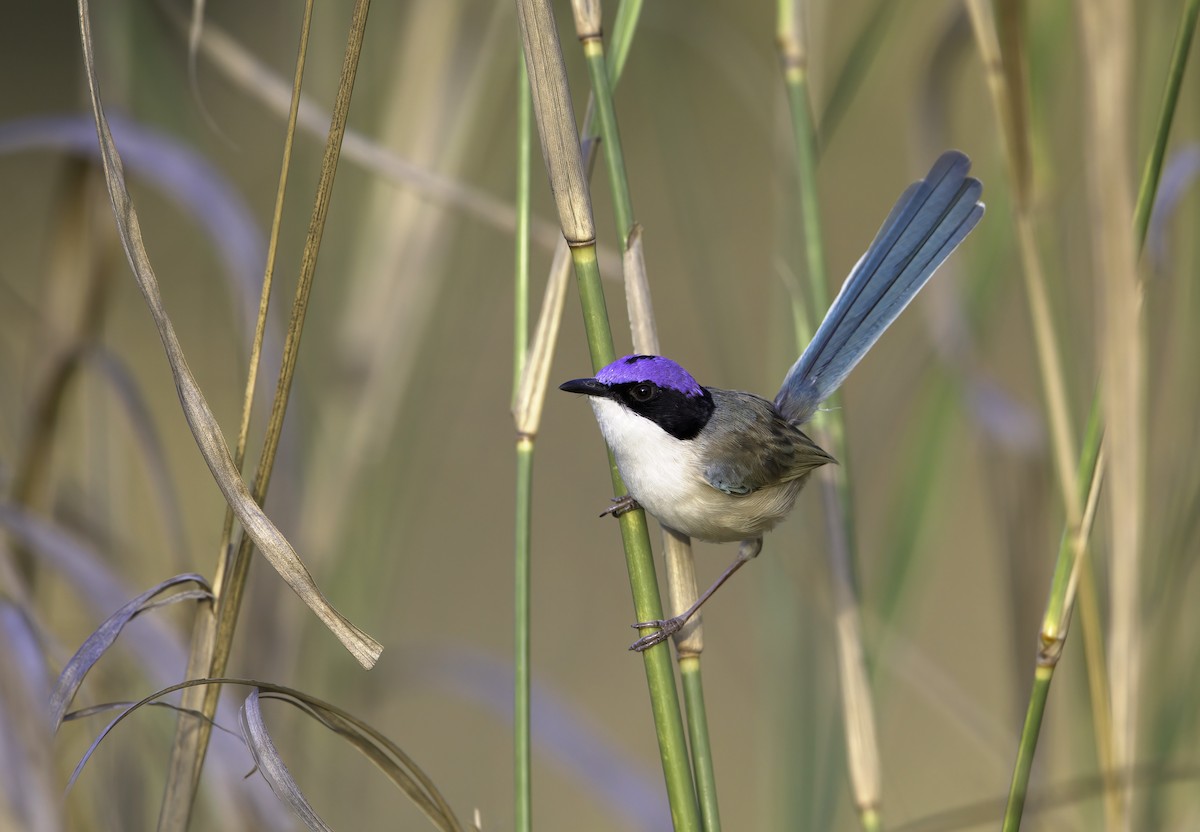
271	765
97	644
385	754
93	710
149	700
211	442
94	583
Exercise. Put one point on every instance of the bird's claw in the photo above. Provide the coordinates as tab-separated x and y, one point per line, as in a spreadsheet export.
666	629
621	505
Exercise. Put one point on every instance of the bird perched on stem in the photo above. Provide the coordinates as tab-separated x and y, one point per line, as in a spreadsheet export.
721	465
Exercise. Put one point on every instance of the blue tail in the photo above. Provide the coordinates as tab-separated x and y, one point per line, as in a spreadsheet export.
928	222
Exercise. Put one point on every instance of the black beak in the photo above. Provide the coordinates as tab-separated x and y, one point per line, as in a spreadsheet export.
586	386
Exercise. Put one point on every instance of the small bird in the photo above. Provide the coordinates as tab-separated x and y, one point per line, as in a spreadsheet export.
721	465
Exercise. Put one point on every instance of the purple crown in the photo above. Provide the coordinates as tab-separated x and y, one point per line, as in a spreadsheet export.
662	371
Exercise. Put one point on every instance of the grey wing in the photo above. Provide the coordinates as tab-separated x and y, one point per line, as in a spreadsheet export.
751	446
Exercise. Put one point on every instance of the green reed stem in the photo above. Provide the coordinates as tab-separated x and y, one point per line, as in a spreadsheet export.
693	690
568	184
623	28
1028	744
639	559
702	762
523	782
522	756
614	156
1153	169
1058	613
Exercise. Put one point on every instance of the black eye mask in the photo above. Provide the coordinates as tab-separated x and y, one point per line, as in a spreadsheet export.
679	414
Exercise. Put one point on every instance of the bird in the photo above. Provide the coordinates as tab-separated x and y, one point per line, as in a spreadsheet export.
723	465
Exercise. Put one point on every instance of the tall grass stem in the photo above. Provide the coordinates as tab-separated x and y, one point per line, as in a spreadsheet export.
522	757
677	550
564	165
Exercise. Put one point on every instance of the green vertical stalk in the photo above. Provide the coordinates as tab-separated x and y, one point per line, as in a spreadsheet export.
522	759
1153	170
1025	751
624	25
593	51
522	785
639	559
693	690
1058	612
568	185
702	761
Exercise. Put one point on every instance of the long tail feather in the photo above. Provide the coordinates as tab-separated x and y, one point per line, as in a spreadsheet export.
927	223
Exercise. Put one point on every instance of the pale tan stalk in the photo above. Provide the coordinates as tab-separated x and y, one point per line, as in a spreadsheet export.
1008	85
677	548
1010	103
861	737
1106	28
392	280
556	124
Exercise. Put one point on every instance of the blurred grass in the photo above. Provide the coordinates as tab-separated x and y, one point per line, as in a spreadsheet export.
424	390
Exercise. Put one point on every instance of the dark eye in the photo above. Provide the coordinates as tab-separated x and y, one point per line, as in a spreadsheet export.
644	392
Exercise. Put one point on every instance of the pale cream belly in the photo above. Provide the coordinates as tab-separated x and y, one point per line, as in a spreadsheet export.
721	518
697	509
666	476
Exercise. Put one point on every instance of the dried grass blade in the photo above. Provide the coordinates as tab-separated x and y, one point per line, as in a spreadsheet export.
211	442
385	754
531	391
97	644
271	765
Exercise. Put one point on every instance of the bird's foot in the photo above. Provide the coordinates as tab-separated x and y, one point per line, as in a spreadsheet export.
666	629
621	505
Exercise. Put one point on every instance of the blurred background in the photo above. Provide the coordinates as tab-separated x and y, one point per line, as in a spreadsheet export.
395	474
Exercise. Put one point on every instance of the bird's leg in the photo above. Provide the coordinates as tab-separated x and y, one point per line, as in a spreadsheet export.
747	551
621	505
